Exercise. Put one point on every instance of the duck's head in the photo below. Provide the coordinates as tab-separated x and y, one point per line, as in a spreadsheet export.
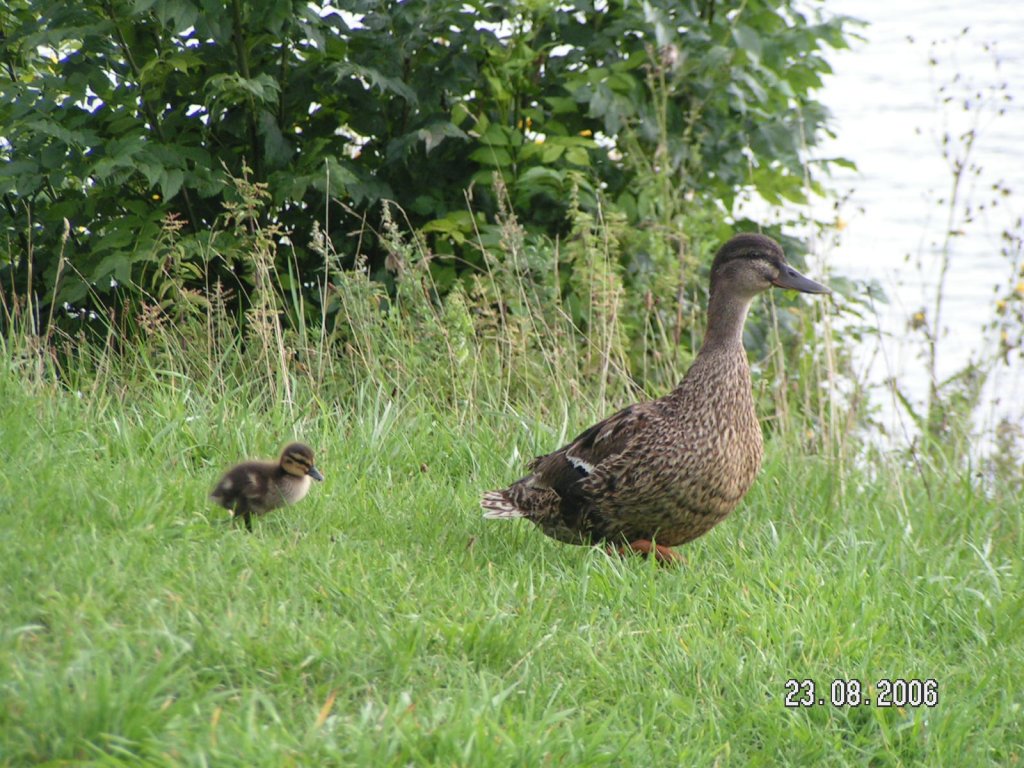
750	264
297	460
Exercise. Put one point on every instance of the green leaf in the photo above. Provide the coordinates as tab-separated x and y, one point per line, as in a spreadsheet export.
374	78
747	40
233	89
496	136
562	105
437	132
540	177
550	152
277	149
493	156
577	156
457	225
15	169
335	178
170	182
177	15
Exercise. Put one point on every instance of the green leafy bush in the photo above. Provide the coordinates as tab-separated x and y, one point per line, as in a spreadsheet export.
124	119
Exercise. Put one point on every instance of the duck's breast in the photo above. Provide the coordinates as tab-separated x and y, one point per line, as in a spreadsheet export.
719	446
294	489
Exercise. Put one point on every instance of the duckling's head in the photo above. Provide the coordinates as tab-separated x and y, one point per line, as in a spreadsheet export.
750	264
297	460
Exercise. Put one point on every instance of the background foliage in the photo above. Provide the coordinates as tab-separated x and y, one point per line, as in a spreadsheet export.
122	122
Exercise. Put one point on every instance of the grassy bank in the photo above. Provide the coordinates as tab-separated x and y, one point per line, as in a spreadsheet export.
382	622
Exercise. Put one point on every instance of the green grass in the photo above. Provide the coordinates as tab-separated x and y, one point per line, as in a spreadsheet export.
383	622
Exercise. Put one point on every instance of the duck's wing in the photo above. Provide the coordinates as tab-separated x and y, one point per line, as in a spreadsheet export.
226	493
247	482
588	469
594	454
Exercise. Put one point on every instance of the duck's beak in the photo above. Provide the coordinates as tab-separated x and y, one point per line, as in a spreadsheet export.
315	474
790	278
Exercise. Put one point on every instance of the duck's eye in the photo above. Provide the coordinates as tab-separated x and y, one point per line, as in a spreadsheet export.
778	271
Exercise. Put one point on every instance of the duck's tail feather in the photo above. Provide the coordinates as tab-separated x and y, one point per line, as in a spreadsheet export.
496	506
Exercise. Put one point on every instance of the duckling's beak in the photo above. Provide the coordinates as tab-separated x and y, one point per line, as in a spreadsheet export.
315	474
790	278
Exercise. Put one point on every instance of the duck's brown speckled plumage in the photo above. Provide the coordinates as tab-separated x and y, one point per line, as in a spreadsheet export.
672	468
256	487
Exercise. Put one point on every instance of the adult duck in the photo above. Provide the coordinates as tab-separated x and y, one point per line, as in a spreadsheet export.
661	473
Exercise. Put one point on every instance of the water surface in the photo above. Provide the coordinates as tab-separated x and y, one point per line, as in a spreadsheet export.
890	118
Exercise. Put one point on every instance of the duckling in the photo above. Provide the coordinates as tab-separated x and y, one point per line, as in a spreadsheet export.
256	487
661	473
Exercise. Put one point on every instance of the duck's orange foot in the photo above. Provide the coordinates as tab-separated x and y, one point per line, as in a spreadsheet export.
645	548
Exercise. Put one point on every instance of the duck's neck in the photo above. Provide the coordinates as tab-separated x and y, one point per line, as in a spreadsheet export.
726	314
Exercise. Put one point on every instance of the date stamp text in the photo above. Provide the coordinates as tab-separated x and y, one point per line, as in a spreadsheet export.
853	693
